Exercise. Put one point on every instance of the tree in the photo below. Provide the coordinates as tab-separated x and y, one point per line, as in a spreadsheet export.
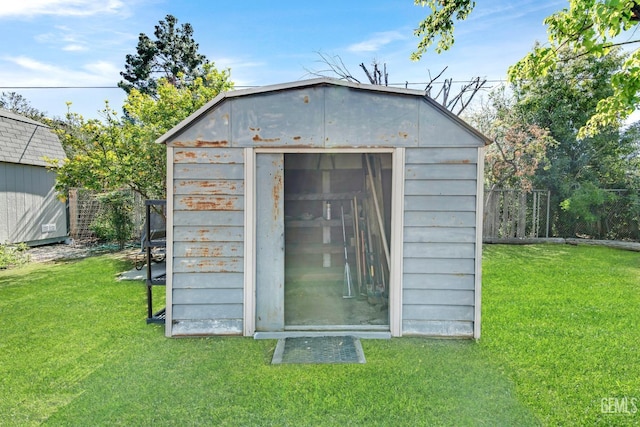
115	153
173	51
563	100
587	28
17	103
581	171
377	75
590	28
439	24
519	147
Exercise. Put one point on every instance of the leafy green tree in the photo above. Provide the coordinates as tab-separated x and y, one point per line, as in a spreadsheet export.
519	147
563	100
439	25
115	152
173	51
17	103
580	171
587	28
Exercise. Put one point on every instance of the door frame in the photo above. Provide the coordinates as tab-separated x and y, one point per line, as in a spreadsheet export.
395	243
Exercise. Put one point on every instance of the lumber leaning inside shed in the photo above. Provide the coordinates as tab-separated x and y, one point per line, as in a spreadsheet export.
324	207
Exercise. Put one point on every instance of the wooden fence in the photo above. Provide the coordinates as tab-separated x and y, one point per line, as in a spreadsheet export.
512	213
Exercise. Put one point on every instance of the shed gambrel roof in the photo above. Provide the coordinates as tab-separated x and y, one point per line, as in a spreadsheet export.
265	115
25	141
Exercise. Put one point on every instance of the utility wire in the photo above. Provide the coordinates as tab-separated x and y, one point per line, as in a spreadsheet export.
239	87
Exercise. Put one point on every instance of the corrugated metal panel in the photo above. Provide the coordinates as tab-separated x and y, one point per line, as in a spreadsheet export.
440	296
439	219
212	130
208	234
438	265
442	156
440	203
438	125
208	171
208	280
439	281
215	296
208	218
359	119
439	246
442	171
438	328
270	275
204	265
279	119
441	187
438	312
192	186
207	327
187	312
440	250
208	203
441	130
208	251
440	234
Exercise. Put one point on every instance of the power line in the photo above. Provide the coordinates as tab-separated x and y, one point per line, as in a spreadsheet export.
237	87
59	87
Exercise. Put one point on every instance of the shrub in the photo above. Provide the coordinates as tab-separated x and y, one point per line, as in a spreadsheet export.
115	222
12	255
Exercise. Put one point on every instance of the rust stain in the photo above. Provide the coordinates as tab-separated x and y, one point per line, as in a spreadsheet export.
458	162
277	191
306	99
403	135
213	144
257	138
186	154
297	138
210	203
254	129
200	143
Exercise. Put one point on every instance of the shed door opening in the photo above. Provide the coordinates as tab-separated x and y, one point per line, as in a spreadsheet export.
334	202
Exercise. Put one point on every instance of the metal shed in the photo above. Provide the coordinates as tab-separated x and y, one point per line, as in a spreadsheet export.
272	188
29	209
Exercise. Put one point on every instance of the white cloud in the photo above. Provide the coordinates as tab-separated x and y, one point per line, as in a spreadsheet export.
25	71
31	8
376	41
74	48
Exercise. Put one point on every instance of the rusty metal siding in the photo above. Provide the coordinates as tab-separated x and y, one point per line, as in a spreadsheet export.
208	248
210	130
279	119
439	241
270	275
438	129
359	119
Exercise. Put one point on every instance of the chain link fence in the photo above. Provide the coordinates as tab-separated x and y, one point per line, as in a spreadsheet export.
510	213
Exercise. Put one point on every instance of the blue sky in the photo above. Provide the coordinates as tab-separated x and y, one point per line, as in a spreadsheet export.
79	43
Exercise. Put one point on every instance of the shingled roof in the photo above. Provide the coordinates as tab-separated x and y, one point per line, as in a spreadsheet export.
27	141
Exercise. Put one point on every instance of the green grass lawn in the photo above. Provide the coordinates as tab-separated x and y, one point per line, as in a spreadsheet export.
560	333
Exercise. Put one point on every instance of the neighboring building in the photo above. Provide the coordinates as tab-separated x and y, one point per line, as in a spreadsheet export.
263	187
30	212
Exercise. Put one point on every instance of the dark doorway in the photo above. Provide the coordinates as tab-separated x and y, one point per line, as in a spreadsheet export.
334	204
